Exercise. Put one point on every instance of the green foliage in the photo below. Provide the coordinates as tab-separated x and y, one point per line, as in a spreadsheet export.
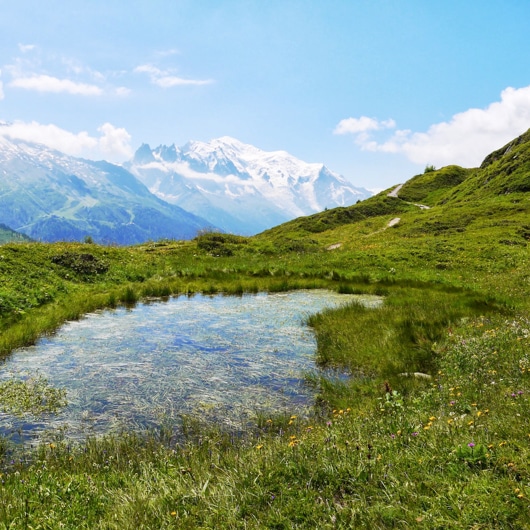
218	244
32	395
432	185
85	264
377	206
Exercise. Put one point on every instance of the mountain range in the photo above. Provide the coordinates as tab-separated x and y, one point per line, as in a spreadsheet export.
167	192
51	196
238	187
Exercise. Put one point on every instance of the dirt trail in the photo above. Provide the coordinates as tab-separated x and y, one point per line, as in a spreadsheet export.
395	193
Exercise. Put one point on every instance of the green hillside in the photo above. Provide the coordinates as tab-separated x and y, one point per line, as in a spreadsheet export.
422	415
7	235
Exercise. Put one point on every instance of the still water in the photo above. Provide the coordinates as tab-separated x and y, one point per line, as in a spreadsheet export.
222	358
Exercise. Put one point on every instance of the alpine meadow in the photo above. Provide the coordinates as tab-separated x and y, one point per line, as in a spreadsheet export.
421	418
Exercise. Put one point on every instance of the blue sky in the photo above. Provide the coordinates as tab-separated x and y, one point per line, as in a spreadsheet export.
374	89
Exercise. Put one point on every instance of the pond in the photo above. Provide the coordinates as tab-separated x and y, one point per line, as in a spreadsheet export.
221	358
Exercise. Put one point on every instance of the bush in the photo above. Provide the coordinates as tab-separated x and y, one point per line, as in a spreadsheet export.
84	264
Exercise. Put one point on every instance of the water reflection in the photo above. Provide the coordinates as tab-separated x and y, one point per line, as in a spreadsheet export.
221	357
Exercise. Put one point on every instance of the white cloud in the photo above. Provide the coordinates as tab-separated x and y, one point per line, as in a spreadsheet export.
115	142
2	95
166	79
465	139
112	145
46	83
362	124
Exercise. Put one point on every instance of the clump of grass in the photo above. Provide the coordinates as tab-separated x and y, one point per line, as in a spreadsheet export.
31	395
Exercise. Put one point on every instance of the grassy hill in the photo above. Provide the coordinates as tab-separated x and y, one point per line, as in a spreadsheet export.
424	421
7	235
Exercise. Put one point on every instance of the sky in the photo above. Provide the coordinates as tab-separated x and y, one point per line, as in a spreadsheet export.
374	89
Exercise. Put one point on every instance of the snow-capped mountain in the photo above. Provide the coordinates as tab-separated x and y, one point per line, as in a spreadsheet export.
239	187
51	196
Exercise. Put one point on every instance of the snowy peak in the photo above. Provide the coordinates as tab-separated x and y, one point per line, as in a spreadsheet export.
254	189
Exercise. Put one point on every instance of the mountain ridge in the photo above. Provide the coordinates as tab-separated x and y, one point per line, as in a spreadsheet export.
245	188
52	196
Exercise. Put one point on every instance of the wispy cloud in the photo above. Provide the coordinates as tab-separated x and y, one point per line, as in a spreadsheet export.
113	143
168	53
47	83
122	91
24	48
465	139
2	95
60	75
166	78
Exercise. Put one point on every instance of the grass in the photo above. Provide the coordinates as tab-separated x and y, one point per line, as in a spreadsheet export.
381	451
385	447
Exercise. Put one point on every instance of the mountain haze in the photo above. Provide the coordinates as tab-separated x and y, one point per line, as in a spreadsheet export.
237	186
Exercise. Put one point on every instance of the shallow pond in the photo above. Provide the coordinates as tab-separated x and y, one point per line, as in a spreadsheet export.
222	358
